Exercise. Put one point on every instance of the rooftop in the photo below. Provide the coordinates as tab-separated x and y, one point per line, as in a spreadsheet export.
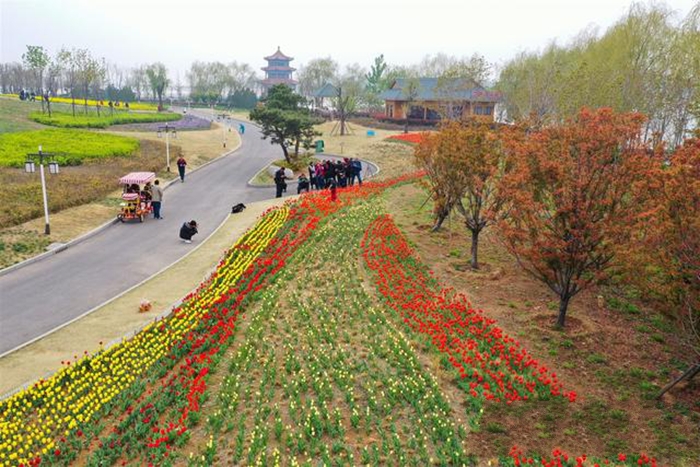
278	56
441	89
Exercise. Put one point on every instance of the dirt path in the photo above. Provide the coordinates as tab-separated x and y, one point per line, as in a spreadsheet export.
121	317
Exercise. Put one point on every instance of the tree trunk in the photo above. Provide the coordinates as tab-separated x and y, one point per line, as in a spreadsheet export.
438	222
48	106
563	306
86	94
72	96
296	148
475	249
286	154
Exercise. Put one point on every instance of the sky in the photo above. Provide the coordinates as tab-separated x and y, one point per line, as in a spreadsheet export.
175	32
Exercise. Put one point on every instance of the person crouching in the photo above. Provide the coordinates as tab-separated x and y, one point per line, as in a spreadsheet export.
187	230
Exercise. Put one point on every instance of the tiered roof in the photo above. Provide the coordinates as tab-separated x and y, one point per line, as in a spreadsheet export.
278	56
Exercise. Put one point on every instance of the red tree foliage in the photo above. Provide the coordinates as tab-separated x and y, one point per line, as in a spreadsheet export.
571	189
465	164
666	262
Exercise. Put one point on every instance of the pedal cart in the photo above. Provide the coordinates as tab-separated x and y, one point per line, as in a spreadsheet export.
136	197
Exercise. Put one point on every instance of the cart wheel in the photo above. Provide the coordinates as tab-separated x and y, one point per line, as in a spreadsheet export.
121	218
140	217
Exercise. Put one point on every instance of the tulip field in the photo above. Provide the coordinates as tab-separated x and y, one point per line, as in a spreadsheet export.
314	342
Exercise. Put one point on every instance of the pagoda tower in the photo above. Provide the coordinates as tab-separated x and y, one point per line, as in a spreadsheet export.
278	71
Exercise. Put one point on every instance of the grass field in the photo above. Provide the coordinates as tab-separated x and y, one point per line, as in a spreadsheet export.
93	120
75	185
71	147
13	115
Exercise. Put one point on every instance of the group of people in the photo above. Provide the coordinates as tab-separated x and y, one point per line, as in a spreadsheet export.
27	95
153	195
341	173
115	104
323	174
150	194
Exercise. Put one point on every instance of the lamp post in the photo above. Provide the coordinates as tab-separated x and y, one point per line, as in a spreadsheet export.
168	130
30	167
223	118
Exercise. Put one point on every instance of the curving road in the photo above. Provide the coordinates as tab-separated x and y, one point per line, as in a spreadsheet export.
37	298
46	294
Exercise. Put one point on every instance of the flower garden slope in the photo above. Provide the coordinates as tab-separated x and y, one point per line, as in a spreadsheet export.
495	365
32	420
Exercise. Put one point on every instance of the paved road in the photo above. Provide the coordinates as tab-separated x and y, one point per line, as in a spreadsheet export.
41	296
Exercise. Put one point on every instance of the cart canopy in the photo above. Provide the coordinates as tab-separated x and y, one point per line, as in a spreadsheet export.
140	178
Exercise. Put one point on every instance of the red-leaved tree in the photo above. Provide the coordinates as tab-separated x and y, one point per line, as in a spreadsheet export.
465	163
572	192
666	263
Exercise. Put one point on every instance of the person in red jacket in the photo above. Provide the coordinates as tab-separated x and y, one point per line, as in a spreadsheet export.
181	164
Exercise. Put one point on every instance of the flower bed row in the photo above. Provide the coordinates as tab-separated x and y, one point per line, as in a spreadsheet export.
91	102
491	364
412	138
93	120
33	420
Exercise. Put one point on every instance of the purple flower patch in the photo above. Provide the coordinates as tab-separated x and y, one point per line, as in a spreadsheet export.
187	122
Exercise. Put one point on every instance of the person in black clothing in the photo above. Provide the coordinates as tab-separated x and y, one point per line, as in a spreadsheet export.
347	166
187	230
280	183
330	172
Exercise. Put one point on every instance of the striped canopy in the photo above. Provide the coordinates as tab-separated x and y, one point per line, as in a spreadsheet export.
139	178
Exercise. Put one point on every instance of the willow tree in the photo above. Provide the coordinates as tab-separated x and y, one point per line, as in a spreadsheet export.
157	76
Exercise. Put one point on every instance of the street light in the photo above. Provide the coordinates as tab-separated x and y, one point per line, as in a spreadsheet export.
30	167
168	130
223	118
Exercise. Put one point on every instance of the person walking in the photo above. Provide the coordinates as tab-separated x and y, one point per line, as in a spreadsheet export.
181	164
188	230
156	199
332	185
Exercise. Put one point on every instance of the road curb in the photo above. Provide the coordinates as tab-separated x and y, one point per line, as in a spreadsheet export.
102	227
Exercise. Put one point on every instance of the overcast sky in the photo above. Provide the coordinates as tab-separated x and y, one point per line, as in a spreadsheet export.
175	32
